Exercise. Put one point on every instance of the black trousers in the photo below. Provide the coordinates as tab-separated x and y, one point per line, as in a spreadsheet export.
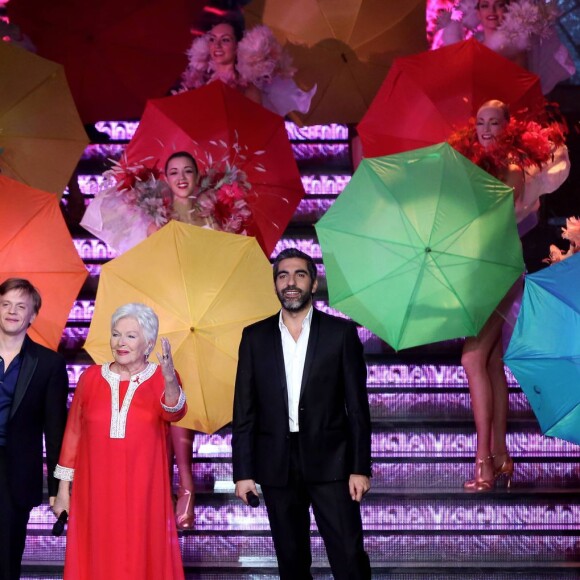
13	522
337	517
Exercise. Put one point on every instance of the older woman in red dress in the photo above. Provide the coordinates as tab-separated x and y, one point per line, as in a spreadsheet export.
121	522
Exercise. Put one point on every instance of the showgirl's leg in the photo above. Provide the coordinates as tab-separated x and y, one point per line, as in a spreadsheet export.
475	360
500	400
182	440
503	464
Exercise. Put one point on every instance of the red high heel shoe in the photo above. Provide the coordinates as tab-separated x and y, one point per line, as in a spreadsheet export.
184	514
505	471
478	483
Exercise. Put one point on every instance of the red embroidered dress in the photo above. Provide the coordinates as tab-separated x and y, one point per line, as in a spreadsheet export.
121	523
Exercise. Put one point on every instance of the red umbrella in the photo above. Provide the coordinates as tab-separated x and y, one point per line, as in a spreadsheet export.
427	96
115	54
216	120
35	244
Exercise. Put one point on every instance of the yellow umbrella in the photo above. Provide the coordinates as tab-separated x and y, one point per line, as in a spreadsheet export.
205	286
345	47
41	134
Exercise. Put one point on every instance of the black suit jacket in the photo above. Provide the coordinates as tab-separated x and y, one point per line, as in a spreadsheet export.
39	407
334	418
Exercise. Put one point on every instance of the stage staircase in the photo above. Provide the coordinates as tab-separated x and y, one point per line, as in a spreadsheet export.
419	523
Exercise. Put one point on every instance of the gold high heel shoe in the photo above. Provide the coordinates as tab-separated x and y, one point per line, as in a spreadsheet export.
479	483
184	514
505	471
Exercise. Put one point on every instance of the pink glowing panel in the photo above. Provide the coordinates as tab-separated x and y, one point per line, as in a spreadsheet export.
324	307
311	210
307	151
94	249
90	184
94	270
332	132
332	184
74	372
302	151
308	246
124	131
407	403
103	151
314	184
82	310
74	333
118	130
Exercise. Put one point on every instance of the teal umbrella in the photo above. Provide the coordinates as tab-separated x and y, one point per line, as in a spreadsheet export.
544	351
420	246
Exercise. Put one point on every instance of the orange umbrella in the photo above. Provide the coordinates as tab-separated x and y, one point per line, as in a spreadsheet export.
116	53
345	47
41	134
35	244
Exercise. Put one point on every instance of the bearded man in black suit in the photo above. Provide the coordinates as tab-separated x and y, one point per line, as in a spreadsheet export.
33	397
301	425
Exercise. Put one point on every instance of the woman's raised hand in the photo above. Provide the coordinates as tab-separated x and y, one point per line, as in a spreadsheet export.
166	360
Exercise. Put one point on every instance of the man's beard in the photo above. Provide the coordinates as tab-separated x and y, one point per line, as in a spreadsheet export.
295	304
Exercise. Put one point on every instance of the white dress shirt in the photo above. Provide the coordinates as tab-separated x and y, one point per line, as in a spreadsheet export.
294	357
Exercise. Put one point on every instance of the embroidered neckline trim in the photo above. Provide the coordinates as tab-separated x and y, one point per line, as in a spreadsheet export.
119	413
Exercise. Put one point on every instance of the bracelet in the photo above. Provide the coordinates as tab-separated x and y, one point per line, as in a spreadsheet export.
64	473
178	406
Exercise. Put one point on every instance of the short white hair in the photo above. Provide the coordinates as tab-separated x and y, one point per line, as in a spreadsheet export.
143	314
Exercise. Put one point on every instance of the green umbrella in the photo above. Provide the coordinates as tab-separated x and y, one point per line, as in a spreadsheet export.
420	246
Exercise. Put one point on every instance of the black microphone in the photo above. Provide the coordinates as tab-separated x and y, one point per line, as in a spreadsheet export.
253	499
58	527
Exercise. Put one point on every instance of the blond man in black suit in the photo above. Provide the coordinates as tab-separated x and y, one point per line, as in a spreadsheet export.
33	397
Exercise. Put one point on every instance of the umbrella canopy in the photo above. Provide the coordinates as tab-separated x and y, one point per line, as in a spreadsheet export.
35	244
427	96
212	285
41	134
116	54
420	246
253	139
544	351
346	50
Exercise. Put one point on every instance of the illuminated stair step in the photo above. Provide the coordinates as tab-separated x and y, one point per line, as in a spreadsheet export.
434	473
384	375
470	513
417	443
454	548
422	443
381	571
